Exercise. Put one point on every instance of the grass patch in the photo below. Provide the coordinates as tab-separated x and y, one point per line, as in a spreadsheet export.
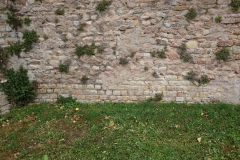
121	131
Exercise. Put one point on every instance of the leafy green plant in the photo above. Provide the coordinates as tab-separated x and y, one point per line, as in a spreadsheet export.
87	49
145	68
45	37
18	89
84	79
157	98
204	79
102	5
235	4
132	54
223	54
59	11
191	14
29	37
183	53
12	19
218	19
191	76
4	58
27	21
80	28
123	61
64	100
15	49
56	20
64	68
159	54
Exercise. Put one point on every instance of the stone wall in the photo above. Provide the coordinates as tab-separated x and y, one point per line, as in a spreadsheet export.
126	27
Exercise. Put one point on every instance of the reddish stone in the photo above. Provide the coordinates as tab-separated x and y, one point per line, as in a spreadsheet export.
224	43
237	57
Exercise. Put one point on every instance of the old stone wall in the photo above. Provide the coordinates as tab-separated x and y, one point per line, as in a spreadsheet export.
126	27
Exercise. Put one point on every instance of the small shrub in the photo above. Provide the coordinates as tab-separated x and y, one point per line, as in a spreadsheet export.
86	49
145	68
159	54
235	4
64	100
191	76
223	54
56	20
15	49
18	89
27	21
64	68
102	6
183	53
192	13
12	9
204	79
13	20
132	54
80	28
84	79
4	58
123	61
218	19
59	12
45	37
157	97
29	37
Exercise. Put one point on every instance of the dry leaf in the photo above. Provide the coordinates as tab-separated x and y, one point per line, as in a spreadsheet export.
111	124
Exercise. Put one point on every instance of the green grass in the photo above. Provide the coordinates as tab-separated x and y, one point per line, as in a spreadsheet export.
121	131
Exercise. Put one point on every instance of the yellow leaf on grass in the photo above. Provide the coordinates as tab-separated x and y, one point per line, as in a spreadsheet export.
199	139
111	124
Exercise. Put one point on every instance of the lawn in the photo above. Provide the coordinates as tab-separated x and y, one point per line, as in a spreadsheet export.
123	131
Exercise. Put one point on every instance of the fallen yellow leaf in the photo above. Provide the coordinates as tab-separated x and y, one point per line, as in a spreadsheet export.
199	139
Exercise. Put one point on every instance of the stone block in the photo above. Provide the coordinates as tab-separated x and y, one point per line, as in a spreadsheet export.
192	44
180	99
117	93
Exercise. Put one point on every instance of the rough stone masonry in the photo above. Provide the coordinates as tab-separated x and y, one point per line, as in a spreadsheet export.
127	27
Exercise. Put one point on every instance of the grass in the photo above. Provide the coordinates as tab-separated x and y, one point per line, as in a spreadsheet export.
121	131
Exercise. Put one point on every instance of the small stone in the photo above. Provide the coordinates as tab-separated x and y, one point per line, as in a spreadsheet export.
20	35
167	24
31	1
192	44
236	50
206	32
225	43
75	23
2	41
180	8
8	28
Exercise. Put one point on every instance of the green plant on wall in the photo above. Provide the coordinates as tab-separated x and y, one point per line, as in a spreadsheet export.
4	57
203	79
27	21
191	14
102	5
192	76
12	18
235	4
183	53
218	19
123	61
64	68
84	79
29	38
59	11
14	49
88	49
223	54
18	89
159	54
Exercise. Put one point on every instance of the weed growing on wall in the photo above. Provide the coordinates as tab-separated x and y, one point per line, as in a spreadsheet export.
102	5
223	54
27	21
192	76
29	37
157	98
12	18
191	14
183	53
65	100
218	19
64	68
4	58
18	89
84	79
235	4
123	61
159	54
59	11
14	49
88	49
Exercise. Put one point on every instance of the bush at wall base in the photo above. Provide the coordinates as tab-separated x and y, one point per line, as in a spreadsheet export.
18	89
